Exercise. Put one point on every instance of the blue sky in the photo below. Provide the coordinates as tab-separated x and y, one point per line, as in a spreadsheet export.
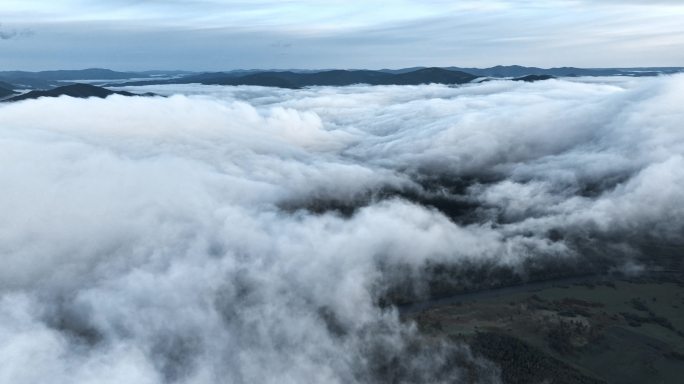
229	34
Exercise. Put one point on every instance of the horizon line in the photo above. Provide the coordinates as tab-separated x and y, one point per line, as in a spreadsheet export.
333	68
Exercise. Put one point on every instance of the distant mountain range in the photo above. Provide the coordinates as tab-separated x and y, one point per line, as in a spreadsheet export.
52	79
79	74
500	71
15	80
82	91
293	80
6	85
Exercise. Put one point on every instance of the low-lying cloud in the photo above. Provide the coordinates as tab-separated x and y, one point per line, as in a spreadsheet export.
250	235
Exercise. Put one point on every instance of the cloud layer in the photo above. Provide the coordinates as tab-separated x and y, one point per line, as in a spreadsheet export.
215	35
199	238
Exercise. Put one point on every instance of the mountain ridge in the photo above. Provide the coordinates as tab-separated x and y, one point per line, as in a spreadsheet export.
297	78
4	92
337	77
77	90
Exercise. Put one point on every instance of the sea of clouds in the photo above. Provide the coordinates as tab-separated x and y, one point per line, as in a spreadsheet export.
248	235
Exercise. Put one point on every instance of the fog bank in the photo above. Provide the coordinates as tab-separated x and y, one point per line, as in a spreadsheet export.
250	235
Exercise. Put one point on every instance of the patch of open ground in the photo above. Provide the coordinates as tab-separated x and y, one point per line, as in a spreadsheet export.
613	331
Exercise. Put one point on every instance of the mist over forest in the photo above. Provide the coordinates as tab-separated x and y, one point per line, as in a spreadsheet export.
269	235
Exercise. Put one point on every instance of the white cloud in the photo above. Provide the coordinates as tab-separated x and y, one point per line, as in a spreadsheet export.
145	239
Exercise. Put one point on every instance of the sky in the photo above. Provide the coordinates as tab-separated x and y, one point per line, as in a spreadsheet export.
232	34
